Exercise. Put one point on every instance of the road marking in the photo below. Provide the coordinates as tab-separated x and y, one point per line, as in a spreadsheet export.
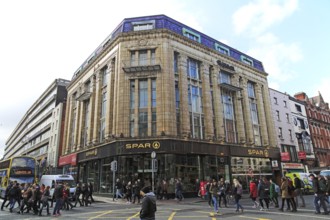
212	215
104	213
171	216
296	214
242	216
136	215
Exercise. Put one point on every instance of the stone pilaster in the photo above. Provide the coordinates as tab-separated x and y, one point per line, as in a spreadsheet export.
68	126
207	105
97	108
183	87
91	111
80	125
269	117
218	107
109	108
261	115
238	105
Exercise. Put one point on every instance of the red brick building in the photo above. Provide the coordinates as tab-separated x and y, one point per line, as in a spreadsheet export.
318	115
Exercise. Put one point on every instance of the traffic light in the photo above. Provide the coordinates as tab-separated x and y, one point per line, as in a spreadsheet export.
114	165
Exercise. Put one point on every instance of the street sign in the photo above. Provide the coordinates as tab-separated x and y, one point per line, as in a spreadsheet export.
114	166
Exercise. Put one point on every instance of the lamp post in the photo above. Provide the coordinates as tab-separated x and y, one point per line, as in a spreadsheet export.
153	156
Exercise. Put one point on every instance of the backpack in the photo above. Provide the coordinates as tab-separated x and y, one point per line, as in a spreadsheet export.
323	186
277	188
302	183
239	190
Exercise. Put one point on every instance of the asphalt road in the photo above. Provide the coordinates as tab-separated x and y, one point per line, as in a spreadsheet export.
189	209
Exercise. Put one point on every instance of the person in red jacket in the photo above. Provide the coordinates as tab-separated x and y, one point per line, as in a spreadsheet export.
254	193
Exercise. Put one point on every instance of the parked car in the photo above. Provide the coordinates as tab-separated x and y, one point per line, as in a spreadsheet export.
52	180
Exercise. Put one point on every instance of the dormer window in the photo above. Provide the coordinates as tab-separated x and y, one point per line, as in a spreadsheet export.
246	60
143	25
222	49
191	35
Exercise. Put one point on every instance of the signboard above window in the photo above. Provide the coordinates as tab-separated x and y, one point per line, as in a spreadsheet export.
143	25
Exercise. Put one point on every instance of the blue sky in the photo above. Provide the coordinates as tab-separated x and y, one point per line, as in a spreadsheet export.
43	40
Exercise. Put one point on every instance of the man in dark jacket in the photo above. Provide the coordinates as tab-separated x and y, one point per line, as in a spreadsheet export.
319	195
13	195
77	194
149	206
58	194
10	185
297	192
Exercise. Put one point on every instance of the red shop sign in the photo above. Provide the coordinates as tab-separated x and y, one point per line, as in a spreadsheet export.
68	159
285	156
301	155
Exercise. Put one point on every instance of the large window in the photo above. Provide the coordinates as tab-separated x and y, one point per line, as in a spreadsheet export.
229	116
194	98
86	123
153	93
143	57
105	76
255	123
175	62
143	124
224	77
143	94
250	90
195	108
193	69
132	107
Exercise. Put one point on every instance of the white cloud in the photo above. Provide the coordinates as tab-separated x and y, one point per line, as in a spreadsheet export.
277	57
322	87
257	16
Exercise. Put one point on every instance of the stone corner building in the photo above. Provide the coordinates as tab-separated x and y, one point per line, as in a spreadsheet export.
156	84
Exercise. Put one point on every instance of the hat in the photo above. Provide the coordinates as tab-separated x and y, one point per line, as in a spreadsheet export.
146	189
311	175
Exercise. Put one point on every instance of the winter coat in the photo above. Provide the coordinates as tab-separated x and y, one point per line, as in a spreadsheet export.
284	190
148	207
253	190
272	192
214	190
263	190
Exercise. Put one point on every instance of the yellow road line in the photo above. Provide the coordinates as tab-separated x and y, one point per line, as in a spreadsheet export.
241	216
134	216
212	215
171	216
104	213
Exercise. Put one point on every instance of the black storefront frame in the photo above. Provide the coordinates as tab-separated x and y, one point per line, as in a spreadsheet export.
171	146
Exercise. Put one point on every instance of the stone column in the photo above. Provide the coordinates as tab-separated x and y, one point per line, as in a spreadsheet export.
149	108
218	107
97	108
207	105
269	117
238	105
109	108
91	111
183	88
68	126
136	109
261	115
80	114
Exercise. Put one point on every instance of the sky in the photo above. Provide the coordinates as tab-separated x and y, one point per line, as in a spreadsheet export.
42	40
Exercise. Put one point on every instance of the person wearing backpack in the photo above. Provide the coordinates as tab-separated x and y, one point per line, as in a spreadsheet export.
273	194
297	192
319	195
238	191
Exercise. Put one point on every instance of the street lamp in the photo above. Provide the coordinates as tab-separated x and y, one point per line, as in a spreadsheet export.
153	156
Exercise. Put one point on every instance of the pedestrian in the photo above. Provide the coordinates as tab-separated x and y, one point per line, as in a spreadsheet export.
119	188
223	188
208	194
6	197
214	190
44	200
66	193
77	194
13	195
129	190
319	194
136	191
285	193
26	194
164	189
254	193
292	195
149	206
178	190
90	191
58	194
298	192
85	194
238	191
273	194
263	193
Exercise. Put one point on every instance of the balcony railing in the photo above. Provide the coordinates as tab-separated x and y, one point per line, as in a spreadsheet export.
145	65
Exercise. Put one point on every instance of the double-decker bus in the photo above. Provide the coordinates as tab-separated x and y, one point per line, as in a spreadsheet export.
21	168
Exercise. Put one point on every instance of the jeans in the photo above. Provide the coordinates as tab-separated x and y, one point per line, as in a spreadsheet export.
12	203
215	203
43	204
57	207
321	198
118	193
237	203
298	192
